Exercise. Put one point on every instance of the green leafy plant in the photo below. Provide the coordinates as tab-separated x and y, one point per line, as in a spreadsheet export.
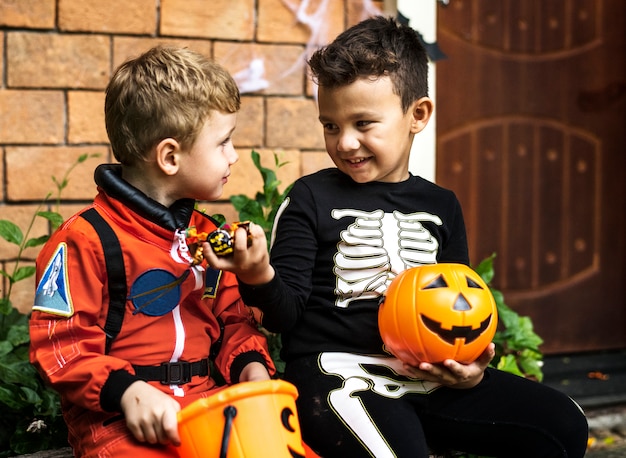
262	209
517	344
31	414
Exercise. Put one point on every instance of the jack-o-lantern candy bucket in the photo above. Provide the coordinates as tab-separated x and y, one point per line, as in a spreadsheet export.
249	419
438	311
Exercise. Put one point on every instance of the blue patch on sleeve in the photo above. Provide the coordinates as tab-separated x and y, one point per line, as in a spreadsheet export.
53	292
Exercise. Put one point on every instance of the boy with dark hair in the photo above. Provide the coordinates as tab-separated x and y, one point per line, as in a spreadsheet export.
339	239
125	316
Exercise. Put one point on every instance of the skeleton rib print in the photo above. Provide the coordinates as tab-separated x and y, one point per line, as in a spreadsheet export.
376	247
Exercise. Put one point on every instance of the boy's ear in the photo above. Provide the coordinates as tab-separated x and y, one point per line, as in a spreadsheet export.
421	111
168	156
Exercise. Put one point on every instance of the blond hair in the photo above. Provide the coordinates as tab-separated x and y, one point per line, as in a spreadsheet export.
166	92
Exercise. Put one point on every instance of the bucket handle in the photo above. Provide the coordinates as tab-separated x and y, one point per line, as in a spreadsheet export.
230	412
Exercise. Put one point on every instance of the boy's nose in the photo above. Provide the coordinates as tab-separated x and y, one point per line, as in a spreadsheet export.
347	142
231	154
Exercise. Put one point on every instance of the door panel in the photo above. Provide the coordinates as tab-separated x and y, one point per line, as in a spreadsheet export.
531	113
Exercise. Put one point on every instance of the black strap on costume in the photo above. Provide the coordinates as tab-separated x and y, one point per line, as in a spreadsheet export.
116	274
176	373
170	373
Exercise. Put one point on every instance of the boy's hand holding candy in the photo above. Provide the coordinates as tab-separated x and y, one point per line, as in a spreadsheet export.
240	248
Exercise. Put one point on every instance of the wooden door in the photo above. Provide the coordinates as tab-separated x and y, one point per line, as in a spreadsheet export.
531	115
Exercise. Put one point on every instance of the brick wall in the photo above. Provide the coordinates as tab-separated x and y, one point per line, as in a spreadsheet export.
58	55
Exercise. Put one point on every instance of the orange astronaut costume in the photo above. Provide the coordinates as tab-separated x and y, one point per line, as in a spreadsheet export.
175	314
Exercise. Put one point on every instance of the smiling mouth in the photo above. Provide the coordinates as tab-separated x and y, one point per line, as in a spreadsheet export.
357	161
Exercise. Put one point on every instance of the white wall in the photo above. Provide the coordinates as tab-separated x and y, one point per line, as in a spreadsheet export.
423	18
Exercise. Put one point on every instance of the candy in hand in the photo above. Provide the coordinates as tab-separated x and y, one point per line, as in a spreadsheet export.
223	238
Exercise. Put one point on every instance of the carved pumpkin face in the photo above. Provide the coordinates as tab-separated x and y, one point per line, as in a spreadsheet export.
436	312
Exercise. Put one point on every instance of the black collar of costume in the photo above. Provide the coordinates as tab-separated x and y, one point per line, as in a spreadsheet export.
177	216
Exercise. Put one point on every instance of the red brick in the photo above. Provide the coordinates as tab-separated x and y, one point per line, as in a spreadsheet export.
311	88
1	51
292	123
50	61
246	179
312	161
250	122
357	10
282	65
279	24
35	14
51	161
31	116
86	117
125	48
223	19
1	175
112	16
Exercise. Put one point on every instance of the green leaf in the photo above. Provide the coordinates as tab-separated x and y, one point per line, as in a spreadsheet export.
507	317
239	201
517	345
509	364
55	218
19	373
5	348
5	304
249	210
9	397
11	232
36	241
13	317
485	269
221	219
49	406
18	334
30	396
531	364
23	272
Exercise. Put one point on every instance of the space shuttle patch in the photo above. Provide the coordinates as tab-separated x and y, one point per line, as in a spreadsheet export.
53	292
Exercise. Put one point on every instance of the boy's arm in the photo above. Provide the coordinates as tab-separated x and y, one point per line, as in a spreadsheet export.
280	289
67	343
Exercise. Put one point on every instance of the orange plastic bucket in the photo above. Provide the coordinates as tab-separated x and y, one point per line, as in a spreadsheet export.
249	419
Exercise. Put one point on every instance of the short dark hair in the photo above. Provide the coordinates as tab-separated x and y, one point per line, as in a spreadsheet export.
378	46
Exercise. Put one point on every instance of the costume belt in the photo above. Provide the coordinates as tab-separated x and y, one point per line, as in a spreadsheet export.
176	373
